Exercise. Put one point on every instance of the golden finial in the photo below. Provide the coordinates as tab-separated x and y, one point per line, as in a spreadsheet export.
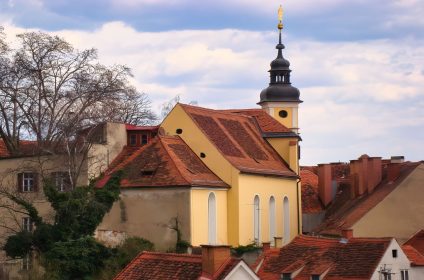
280	17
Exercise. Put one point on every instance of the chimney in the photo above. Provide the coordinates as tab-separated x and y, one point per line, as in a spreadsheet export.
324	183
278	242
347	233
375	173
266	246
393	171
213	257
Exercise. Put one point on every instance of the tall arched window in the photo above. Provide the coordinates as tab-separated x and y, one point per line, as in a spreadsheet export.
286	223
271	219
256	220
212	219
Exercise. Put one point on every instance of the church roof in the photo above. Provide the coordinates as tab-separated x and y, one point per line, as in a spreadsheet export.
238	137
266	123
159	266
165	162
355	258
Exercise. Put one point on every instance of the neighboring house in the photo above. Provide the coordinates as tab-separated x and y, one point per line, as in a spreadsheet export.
414	249
371	196
230	176
214	263
308	257
23	174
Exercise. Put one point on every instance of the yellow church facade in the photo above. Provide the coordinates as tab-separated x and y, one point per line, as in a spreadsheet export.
262	201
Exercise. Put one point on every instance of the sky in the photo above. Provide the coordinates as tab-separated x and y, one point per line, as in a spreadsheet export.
359	64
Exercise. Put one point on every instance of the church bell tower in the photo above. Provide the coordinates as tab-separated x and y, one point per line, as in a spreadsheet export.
280	99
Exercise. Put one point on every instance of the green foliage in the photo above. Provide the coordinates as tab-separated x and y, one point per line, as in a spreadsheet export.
122	255
241	249
75	259
18	245
182	246
67	245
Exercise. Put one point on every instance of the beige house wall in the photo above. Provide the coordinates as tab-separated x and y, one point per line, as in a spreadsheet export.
150	214
400	214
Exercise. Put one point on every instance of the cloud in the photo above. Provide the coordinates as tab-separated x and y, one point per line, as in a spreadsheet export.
359	97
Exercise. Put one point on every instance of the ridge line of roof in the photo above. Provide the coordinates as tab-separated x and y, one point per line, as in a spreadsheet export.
172	160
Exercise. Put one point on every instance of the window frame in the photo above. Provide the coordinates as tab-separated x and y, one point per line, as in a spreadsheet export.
27	224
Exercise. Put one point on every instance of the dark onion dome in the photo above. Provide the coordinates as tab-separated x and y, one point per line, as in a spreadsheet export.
280	88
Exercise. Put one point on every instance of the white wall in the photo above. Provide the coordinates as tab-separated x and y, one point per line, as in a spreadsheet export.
395	264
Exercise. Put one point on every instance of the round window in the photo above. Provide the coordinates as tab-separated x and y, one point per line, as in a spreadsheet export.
283	113
179	131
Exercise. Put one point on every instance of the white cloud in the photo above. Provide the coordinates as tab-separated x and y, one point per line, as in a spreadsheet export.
362	97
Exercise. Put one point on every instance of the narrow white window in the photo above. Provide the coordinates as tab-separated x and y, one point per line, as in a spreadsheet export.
27	224
286	209
212	219
404	275
271	219
256	220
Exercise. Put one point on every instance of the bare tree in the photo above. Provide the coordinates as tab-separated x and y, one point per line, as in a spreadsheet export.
49	91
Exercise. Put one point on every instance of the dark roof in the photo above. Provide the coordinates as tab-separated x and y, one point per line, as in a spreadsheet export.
239	140
316	255
131	127
160	266
166	161
310	199
345	211
266	123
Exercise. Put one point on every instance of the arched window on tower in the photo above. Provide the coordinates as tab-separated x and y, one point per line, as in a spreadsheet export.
212	219
272	220
256	220
286	223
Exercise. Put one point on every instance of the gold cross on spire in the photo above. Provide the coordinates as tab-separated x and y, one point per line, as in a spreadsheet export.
280	17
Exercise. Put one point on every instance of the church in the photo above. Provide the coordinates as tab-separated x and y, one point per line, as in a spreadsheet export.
218	177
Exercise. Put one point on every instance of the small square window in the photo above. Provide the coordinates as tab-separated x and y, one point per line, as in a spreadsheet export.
394	253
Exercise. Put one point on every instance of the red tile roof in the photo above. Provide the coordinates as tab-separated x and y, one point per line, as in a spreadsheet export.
345	211
316	255
160	266
310	199
266	123
165	161
414	248
239	140
141	127
27	148
415	257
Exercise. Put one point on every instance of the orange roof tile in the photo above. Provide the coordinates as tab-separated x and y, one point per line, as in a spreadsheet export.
239	140
417	241
165	161
160	266
266	123
27	148
345	211
415	257
315	255
310	199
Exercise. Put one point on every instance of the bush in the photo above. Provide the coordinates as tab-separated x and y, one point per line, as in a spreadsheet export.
240	250
122	255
